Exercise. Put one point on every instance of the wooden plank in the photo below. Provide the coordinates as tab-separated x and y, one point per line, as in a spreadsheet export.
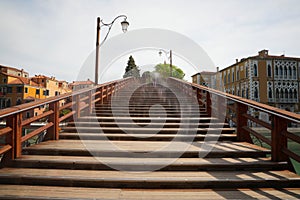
157	179
54	192
256	134
66	116
5	148
4	131
36	132
33	119
258	121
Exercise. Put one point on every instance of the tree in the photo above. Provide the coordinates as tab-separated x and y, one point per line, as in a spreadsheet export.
164	70
131	69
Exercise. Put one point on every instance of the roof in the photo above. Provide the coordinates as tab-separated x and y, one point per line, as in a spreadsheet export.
88	82
20	80
20	70
205	73
266	56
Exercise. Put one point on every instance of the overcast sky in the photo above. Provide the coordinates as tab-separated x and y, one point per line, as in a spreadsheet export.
56	37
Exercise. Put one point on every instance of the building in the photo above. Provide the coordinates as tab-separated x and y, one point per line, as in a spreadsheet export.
205	78
77	85
16	88
269	79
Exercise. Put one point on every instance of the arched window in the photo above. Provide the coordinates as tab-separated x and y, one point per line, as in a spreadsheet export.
255	69
286	94
280	71
8	103
270	93
281	94
269	71
237	75
246	71
291	94
19	101
243	93
225	79
295	94
228	77
285	72
277	93
290	72
238	92
294	72
255	93
247	93
276	71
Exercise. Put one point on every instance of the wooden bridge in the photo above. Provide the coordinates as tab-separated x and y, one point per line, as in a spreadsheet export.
131	140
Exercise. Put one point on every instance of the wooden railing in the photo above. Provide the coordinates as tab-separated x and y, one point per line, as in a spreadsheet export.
74	104
240	111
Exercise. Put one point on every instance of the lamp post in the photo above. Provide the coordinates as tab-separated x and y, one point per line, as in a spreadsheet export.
100	24
169	57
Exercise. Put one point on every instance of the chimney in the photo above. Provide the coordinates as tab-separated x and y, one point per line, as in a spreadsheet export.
236	60
217	69
263	53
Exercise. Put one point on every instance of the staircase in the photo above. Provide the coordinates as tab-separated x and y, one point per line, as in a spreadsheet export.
147	142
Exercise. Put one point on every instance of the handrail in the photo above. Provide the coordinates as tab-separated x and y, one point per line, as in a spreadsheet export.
260	106
39	102
78	103
278	126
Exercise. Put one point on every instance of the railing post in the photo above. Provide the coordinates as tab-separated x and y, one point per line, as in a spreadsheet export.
278	140
208	103
77	106
90	102
242	134
15	121
53	131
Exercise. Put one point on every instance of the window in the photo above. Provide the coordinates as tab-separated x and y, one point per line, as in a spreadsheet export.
255	69
232	76
37	91
276	71
19	89
9	89
269	71
8	103
4	80
247	93
56	93
47	92
246	72
27	114
225	79
237	75
26	90
19	101
35	114
255	93
285	72
270	93
228	77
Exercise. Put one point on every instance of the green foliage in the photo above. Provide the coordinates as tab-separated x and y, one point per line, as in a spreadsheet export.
64	112
164	71
131	69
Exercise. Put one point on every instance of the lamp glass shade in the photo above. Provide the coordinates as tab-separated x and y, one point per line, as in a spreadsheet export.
124	25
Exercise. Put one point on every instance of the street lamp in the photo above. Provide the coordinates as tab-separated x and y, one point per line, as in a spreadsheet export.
169	57
100	24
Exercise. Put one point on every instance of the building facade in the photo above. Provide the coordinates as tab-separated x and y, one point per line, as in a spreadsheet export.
269	79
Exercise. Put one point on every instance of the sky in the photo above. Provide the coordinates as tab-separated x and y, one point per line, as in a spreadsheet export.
57	37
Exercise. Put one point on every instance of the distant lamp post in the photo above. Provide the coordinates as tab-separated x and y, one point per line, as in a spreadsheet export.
169	56
100	24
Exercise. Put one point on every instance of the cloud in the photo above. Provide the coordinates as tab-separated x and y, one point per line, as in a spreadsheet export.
55	37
